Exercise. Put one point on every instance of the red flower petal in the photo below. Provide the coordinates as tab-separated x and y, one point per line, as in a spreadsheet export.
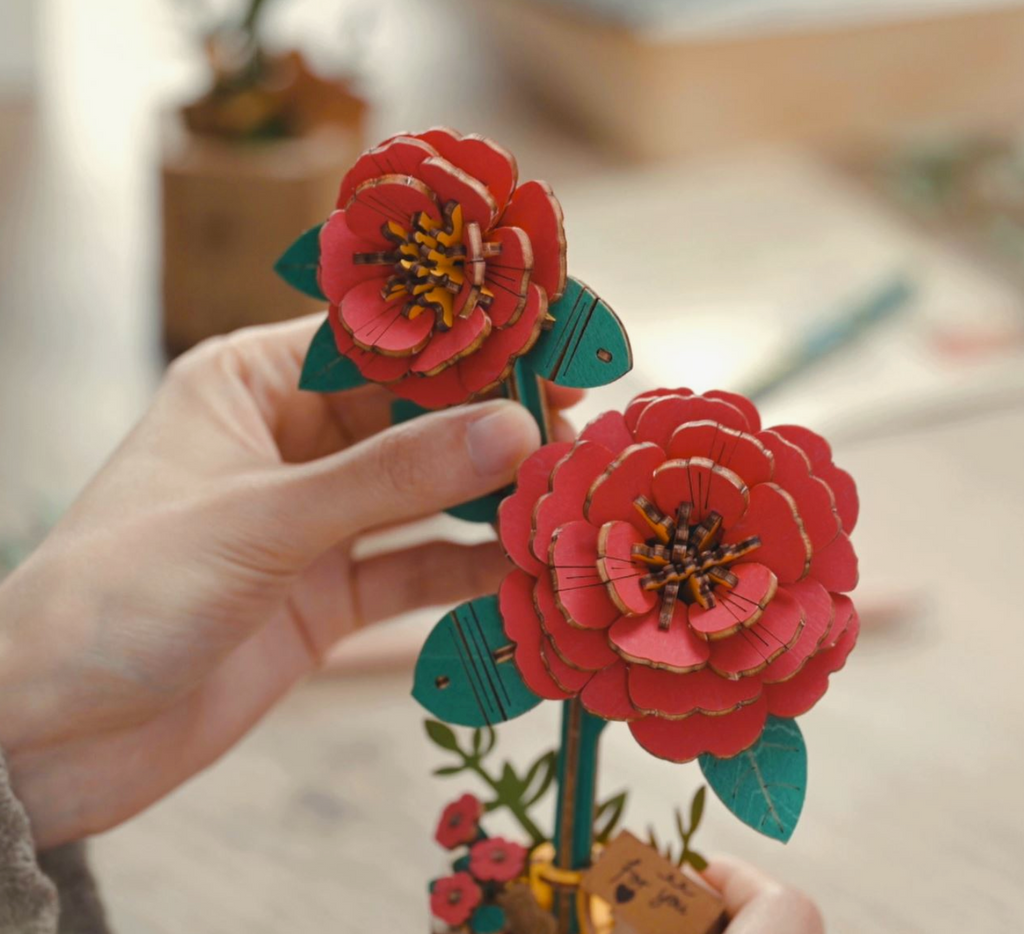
585	649
452	184
608	430
740	452
737	608
400	155
434	392
379	325
515	514
844	492
751	650
795	697
569	679
522	626
611	496
535	209
818	612
742	403
338	272
835	566
684	740
621	575
772	516
388	198
444	348
508	275
708	486
639	639
579	590
373	366
660	419
570	481
817	449
813	498
639	403
494	360
606	694
671	695
482	158
844	615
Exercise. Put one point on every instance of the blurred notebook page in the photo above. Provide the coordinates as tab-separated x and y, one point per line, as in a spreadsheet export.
720	267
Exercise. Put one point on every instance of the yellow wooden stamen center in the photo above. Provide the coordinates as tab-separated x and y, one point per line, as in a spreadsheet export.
686	562
432	261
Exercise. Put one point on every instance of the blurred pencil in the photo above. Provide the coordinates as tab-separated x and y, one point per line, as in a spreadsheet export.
827	337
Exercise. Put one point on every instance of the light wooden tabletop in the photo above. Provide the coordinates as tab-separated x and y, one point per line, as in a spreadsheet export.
321	819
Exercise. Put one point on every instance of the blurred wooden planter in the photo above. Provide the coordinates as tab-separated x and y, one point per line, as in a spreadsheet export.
848	79
229	210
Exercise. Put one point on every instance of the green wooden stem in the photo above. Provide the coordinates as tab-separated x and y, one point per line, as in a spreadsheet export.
577	793
517	810
527	389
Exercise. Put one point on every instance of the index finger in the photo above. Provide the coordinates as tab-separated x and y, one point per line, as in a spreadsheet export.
308	425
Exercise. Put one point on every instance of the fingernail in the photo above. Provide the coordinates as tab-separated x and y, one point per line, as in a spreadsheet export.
500	439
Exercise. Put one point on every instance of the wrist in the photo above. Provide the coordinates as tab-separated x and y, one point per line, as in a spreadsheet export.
28	653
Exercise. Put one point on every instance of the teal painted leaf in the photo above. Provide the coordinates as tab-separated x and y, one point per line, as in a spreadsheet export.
465	674
325	368
488	919
765	785
482	509
299	263
587	346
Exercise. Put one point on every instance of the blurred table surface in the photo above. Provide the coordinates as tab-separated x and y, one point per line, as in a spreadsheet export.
321	819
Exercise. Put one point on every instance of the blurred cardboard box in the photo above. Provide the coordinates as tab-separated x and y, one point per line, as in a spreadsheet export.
659	78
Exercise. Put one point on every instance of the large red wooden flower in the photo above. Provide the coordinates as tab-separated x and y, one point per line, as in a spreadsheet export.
438	268
680	568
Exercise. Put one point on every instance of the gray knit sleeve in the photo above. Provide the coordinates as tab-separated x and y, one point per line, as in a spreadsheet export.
49	894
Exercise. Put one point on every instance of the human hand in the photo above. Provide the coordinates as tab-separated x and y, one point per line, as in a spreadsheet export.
757	904
209	566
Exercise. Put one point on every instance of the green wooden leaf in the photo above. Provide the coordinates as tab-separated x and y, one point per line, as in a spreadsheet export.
446	770
765	785
608	816
697	808
587	345
465	673
696	860
539	778
488	919
441	735
325	369
298	264
482	509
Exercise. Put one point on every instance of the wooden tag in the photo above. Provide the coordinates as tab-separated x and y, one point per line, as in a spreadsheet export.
650	895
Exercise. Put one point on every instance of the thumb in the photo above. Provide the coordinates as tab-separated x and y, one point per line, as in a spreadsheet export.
403	473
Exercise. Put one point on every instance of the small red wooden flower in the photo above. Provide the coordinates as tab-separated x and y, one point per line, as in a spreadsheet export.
438	267
460	822
682	569
453	899
497	860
